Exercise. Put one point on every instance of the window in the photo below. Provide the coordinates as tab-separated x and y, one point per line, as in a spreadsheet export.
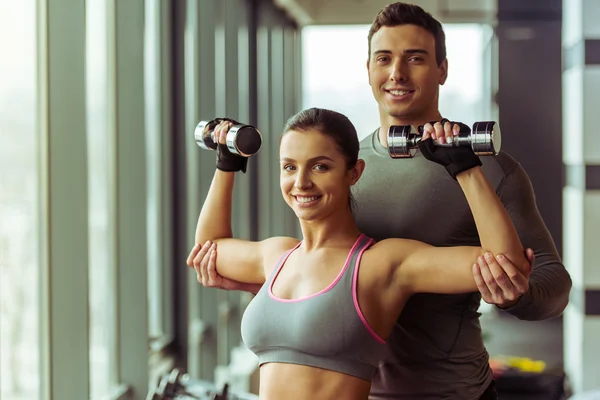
346	89
160	269
102	282
20	340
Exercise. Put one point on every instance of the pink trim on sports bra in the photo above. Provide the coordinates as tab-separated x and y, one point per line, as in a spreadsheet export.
355	296
319	292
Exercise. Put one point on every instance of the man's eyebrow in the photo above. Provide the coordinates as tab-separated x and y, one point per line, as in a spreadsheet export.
407	51
416	51
314	159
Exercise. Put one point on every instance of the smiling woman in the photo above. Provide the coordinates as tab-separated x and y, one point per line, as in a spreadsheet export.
341	134
337	281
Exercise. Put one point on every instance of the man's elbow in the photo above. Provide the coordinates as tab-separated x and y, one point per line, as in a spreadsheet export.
559	300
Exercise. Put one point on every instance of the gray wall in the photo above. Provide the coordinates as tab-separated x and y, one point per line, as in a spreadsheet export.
530	98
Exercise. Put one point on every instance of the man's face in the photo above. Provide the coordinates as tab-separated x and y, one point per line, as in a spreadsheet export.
403	72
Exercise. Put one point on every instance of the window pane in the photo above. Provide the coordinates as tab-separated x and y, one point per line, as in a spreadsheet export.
347	89
101	265
19	204
159	269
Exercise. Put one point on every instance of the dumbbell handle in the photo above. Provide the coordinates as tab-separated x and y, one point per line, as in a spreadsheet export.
484	139
463	139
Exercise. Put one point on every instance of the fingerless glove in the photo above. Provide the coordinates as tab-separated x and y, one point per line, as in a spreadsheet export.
226	160
454	159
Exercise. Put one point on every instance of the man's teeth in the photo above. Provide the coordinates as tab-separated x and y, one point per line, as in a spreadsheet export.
306	199
399	92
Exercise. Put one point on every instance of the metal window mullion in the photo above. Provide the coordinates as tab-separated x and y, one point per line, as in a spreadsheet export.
192	59
222	109
289	104
112	291
298	87
131	193
247	186
208	312
167	186
154	163
263	56
64	199
240	220
279	208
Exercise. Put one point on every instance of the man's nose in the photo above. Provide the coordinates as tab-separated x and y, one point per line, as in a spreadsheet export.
398	72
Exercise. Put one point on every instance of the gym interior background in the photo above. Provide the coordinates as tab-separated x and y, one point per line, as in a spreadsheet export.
102	181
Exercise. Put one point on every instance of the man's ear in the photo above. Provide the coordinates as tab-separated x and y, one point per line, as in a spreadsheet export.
443	71
369	71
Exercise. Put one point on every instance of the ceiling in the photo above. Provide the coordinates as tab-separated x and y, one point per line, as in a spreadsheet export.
358	12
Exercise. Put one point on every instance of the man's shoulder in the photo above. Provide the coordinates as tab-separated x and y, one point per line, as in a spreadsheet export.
366	144
505	172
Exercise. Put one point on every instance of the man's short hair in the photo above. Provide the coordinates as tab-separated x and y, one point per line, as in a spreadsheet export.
409	14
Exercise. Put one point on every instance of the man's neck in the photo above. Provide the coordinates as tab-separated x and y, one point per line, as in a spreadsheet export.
385	123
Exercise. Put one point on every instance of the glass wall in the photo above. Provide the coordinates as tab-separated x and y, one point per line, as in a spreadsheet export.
102	280
335	73
19	204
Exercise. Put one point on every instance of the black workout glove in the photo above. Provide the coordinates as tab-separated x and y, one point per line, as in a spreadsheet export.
454	159
226	160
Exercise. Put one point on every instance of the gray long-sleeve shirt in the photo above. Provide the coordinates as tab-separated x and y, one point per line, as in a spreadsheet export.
436	348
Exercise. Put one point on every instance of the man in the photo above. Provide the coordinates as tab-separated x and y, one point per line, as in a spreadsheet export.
436	350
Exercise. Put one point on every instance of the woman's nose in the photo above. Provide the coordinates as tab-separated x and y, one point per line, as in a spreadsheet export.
302	181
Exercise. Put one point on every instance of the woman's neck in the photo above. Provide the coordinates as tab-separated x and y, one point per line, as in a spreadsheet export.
337	230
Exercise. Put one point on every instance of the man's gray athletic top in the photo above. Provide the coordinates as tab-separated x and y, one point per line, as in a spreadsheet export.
437	351
325	330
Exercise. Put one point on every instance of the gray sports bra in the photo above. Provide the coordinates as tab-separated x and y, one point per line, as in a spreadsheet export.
325	330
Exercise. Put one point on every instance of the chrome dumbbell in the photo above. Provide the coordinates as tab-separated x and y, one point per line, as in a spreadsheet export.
243	140
485	140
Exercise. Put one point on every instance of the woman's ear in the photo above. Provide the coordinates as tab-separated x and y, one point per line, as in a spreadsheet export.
357	171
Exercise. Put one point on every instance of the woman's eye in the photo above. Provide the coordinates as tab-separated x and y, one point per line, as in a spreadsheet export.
288	167
321	167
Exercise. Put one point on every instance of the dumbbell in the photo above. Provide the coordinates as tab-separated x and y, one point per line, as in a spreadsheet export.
485	139
243	140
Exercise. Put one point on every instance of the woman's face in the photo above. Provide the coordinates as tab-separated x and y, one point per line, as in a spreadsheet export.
314	178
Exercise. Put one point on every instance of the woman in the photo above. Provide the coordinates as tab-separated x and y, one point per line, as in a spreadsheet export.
319	323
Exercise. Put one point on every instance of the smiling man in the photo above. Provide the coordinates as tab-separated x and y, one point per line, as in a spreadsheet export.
436	348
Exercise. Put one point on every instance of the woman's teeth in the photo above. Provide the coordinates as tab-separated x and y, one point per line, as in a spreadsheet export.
306	199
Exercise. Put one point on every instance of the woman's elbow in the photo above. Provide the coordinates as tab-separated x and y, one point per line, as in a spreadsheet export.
203	237
520	262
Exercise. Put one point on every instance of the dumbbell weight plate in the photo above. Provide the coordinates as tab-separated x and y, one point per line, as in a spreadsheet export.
399	141
203	135
486	138
244	140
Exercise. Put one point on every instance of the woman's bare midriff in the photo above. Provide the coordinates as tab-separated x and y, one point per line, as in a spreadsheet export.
299	382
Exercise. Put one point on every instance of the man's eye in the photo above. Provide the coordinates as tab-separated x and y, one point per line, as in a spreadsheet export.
288	167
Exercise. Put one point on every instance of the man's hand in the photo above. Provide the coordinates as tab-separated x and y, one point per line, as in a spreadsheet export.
499	281
203	258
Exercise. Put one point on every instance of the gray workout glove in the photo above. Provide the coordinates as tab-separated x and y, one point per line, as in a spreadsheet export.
454	159
226	160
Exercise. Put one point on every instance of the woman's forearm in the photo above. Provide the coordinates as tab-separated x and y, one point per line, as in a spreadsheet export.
215	217
497	233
